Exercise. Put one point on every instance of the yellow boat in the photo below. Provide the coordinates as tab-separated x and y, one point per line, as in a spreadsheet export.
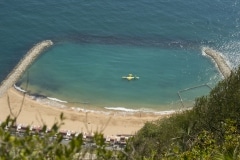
130	77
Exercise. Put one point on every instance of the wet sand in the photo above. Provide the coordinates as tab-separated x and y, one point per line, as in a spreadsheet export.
36	113
39	112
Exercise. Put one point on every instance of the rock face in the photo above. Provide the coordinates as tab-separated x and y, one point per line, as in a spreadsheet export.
23	64
219	60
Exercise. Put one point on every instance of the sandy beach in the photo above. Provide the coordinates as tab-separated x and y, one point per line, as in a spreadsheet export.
35	113
31	111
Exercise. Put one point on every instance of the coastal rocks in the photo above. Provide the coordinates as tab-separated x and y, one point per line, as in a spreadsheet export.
219	60
23	64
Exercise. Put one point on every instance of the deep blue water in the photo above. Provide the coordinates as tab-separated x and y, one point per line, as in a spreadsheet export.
98	42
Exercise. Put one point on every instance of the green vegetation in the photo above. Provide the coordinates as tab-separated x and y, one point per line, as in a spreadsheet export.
211	130
35	145
48	144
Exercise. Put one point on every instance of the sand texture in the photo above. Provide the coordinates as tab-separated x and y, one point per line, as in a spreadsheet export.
39	112
36	113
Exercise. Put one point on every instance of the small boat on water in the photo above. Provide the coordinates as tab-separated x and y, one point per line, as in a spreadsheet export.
130	77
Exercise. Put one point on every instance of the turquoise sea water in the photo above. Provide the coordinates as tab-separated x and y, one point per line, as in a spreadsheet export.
98	42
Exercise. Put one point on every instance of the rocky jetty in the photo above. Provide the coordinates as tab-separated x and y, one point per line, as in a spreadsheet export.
23	64
219	60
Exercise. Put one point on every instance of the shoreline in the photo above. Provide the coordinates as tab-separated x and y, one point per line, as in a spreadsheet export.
40	110
54	102
31	55
105	110
222	65
36	113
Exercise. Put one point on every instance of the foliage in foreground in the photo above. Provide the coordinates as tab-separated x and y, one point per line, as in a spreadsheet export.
211	130
47	145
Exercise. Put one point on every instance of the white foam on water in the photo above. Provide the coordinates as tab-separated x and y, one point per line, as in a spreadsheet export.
219	59
232	50
22	65
47	101
57	100
123	109
19	88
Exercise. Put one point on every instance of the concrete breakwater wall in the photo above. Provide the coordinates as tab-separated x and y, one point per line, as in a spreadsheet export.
31	55
219	60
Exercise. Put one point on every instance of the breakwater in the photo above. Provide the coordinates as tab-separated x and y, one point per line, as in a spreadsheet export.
219	60
31	55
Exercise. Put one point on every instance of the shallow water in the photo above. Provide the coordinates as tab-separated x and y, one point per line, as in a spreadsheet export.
98	42
91	73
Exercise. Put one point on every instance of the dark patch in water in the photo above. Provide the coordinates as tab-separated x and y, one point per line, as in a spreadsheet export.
48	86
154	41
38	96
